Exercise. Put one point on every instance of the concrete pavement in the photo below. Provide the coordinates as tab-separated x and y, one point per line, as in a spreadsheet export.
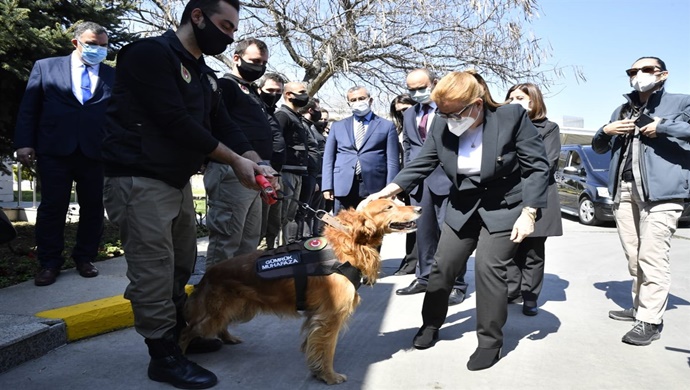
571	344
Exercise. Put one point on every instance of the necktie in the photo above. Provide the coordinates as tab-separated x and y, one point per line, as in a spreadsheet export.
85	85
359	140
422	123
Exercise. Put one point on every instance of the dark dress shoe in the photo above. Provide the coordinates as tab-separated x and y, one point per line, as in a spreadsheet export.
46	276
529	308
181	373
406	269
483	358
456	297
199	345
87	270
425	338
414	288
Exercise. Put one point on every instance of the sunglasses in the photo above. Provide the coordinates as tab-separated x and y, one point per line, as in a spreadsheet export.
457	115
645	69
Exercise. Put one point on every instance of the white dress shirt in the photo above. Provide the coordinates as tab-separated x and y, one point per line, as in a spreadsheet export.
470	158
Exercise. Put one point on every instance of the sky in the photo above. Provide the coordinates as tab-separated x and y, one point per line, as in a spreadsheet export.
604	38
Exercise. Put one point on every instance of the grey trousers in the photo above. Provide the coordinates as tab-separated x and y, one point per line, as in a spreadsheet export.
645	230
158	230
234	215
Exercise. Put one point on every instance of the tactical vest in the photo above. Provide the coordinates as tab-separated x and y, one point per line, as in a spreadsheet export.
299	260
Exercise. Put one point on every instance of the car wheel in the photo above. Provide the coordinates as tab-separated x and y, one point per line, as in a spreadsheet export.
586	212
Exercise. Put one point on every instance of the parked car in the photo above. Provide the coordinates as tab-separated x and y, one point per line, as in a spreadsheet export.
582	180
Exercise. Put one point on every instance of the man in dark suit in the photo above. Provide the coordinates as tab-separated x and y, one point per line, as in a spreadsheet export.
361	154
59	125
432	194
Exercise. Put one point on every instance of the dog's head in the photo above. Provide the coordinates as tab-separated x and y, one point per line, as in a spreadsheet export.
391	217
381	216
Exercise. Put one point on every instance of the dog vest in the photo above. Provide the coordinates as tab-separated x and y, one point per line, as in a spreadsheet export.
299	260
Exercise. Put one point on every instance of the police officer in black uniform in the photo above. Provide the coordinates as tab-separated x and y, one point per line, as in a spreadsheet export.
165	117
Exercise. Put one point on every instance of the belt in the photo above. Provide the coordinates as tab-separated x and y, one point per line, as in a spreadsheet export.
627	176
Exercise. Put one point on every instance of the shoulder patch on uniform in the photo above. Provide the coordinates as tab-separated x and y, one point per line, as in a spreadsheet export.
315	244
244	89
185	74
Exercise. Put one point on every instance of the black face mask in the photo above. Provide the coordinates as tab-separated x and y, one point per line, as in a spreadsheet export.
315	116
249	71
300	99
321	125
269	98
210	39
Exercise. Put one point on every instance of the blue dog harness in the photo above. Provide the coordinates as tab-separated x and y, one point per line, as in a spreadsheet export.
299	260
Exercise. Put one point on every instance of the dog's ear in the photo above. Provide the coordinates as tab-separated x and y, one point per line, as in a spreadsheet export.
365	230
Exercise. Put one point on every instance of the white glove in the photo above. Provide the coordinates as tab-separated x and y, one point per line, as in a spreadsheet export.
524	226
387	192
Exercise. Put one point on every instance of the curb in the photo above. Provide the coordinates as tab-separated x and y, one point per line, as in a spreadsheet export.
97	317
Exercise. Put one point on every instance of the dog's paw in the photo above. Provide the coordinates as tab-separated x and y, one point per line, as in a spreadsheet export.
228	338
332	378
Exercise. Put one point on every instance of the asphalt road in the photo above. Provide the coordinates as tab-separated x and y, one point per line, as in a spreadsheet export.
571	344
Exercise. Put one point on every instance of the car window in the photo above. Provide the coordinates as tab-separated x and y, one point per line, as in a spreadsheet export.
575	160
600	162
562	158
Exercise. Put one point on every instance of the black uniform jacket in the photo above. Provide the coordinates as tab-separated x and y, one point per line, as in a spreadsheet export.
165	114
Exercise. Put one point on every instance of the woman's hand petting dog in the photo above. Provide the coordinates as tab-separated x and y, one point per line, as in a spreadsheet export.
388	191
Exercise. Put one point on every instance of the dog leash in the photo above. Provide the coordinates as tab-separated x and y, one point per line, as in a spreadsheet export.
321	215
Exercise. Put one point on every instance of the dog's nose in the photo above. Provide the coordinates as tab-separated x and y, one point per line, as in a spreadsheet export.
418	209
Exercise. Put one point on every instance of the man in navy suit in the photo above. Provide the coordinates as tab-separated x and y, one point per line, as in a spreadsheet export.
361	154
59	125
432	195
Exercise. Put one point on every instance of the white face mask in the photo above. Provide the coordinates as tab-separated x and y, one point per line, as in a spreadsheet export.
421	96
360	108
523	103
459	126
643	82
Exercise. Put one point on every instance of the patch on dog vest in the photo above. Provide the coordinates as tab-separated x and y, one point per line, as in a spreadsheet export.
300	260
312	257
278	262
315	244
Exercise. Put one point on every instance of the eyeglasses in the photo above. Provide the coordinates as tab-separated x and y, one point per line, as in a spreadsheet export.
420	89
645	69
358	99
456	115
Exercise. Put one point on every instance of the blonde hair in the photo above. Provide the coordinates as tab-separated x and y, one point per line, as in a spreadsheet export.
465	87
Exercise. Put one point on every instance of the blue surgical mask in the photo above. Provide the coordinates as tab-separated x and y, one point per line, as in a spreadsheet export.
92	54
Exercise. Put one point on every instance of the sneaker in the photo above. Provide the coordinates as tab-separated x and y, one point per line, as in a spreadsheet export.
623	315
643	333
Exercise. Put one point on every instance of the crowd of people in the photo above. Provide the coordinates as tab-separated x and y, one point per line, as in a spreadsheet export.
482	171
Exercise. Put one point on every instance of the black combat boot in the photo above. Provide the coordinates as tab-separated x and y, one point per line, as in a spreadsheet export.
169	365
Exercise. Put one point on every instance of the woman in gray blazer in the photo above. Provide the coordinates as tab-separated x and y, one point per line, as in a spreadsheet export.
526	271
495	158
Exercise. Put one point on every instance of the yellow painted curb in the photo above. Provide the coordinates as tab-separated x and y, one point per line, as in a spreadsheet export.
95	317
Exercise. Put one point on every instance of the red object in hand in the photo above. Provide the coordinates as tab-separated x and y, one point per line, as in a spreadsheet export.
268	194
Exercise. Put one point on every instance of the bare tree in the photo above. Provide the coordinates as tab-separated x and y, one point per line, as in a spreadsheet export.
376	42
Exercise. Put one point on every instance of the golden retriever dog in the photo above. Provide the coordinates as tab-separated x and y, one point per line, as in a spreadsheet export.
232	291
